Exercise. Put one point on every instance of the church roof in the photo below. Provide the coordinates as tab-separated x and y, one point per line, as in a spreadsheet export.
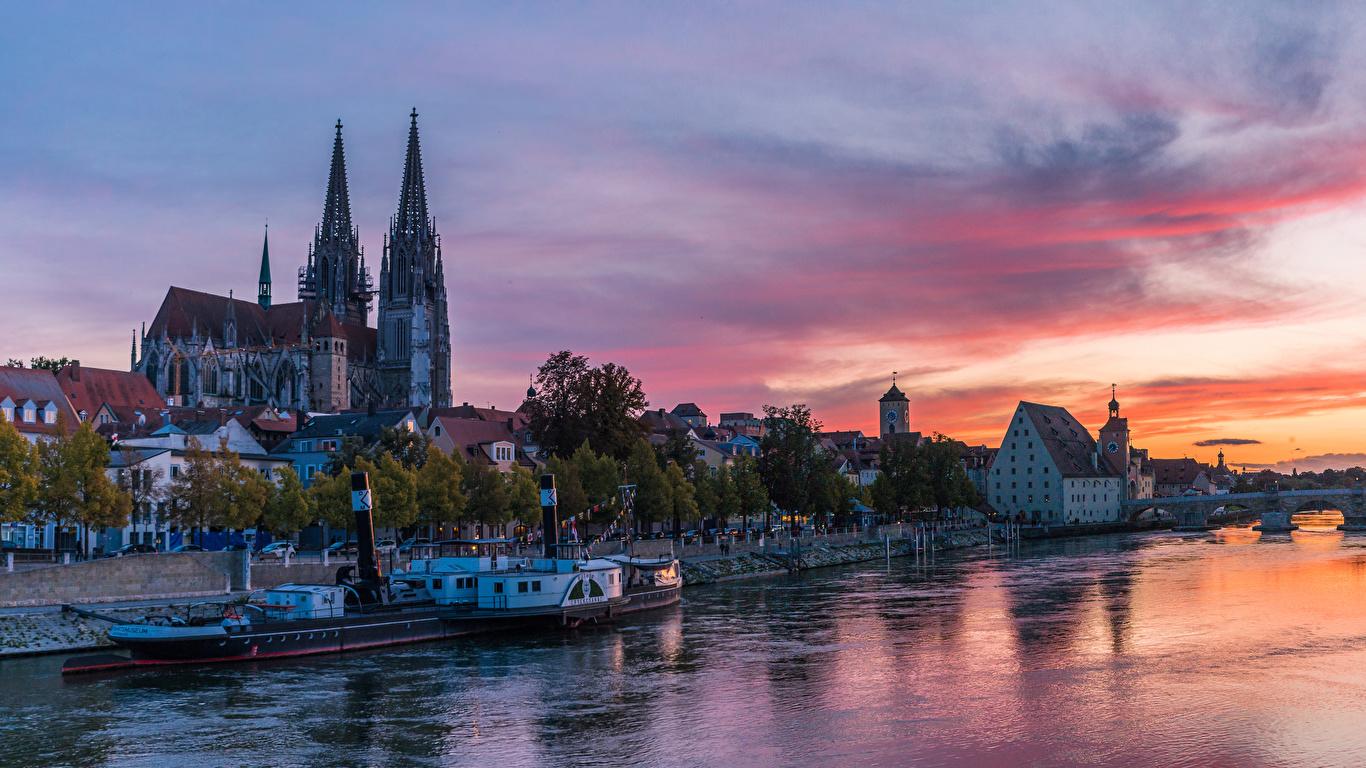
894	394
184	311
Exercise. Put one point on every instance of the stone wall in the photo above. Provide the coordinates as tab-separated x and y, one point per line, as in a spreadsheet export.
182	574
273	574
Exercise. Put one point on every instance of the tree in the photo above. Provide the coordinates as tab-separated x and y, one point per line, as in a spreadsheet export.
905	480
74	486
795	468
486	492
573	499
706	492
727	496
678	449
53	364
394	491
599	475
683	503
246	489
949	484
575	402
18	473
330	496
523	495
196	498
750	493
440	497
143	484
408	448
652	501
289	507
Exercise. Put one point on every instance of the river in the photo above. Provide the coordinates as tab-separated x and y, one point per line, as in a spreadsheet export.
1163	649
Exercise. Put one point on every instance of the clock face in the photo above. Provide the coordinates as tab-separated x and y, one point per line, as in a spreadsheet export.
1113	446
891	417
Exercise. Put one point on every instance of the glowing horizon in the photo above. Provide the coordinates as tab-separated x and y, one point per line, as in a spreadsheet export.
746	205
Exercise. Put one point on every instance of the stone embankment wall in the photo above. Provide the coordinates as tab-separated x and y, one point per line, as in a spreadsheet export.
184	574
752	564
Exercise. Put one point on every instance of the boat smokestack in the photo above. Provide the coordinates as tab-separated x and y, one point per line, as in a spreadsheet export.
550	519
362	504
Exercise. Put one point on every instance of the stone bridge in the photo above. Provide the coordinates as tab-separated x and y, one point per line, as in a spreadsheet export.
1274	507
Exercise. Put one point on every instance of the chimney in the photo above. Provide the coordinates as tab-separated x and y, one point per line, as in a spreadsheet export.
75	368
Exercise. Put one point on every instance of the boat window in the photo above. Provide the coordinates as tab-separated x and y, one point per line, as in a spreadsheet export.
497	587
474	581
522	586
535	586
436	583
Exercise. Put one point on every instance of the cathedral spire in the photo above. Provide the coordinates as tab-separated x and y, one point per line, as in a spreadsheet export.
263	283
133	353
412	198
336	222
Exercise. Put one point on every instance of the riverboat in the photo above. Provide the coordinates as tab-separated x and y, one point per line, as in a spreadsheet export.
450	589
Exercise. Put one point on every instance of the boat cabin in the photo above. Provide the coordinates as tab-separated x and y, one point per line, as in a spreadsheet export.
489	574
303	601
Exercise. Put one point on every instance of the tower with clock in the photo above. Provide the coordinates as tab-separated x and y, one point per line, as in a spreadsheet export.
1114	439
894	411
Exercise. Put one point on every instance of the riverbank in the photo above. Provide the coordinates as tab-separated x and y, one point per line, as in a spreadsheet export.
45	630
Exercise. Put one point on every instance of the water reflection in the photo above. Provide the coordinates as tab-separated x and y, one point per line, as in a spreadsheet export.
1228	648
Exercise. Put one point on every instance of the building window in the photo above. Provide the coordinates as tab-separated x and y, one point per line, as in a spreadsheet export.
30	415
175	470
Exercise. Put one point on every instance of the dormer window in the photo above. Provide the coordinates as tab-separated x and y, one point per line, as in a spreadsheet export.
30	412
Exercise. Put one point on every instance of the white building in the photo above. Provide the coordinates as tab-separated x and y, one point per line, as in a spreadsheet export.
1049	471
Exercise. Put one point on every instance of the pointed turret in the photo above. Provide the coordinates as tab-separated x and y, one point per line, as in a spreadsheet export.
412	198
133	354
336	224
263	283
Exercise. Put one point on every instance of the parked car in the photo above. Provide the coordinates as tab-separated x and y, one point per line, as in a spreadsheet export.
385	545
691	537
187	548
134	549
278	550
236	548
415	541
344	548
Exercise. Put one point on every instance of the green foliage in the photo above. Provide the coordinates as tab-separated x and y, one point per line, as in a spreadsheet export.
928	475
750	493
653	501
18	473
440	495
575	402
289	507
681	496
797	472
331	499
74	488
393	490
486	492
573	499
600	476
53	364
706	490
678	449
949	484
407	448
214	488
523	495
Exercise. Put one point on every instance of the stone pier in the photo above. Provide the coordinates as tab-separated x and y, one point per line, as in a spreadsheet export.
1275	521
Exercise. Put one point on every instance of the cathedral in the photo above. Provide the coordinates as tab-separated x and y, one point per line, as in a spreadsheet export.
318	353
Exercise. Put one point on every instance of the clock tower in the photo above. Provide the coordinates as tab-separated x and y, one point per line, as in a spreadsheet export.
894	411
1114	439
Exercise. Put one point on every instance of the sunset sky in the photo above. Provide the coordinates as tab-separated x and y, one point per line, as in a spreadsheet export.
745	203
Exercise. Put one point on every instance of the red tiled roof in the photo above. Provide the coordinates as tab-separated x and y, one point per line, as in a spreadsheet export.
38	385
1176	471
89	388
183	311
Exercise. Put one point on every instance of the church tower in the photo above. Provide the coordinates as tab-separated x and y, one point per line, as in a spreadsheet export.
263	282
413	325
894	411
335	274
1114	440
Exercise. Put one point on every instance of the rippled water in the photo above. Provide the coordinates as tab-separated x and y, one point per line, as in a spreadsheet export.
1158	650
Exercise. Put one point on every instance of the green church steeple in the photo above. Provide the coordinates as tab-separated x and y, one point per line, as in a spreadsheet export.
263	284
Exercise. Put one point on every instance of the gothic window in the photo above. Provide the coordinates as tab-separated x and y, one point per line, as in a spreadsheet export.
180	376
211	379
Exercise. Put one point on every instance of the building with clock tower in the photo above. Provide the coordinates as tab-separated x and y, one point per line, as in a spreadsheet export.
894	412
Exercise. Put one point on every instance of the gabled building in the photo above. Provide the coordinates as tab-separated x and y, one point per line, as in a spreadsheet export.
661	422
311	448
1178	477
476	441
32	400
1049	471
690	413
109	400
743	423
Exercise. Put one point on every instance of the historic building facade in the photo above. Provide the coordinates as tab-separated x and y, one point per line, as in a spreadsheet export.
317	353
